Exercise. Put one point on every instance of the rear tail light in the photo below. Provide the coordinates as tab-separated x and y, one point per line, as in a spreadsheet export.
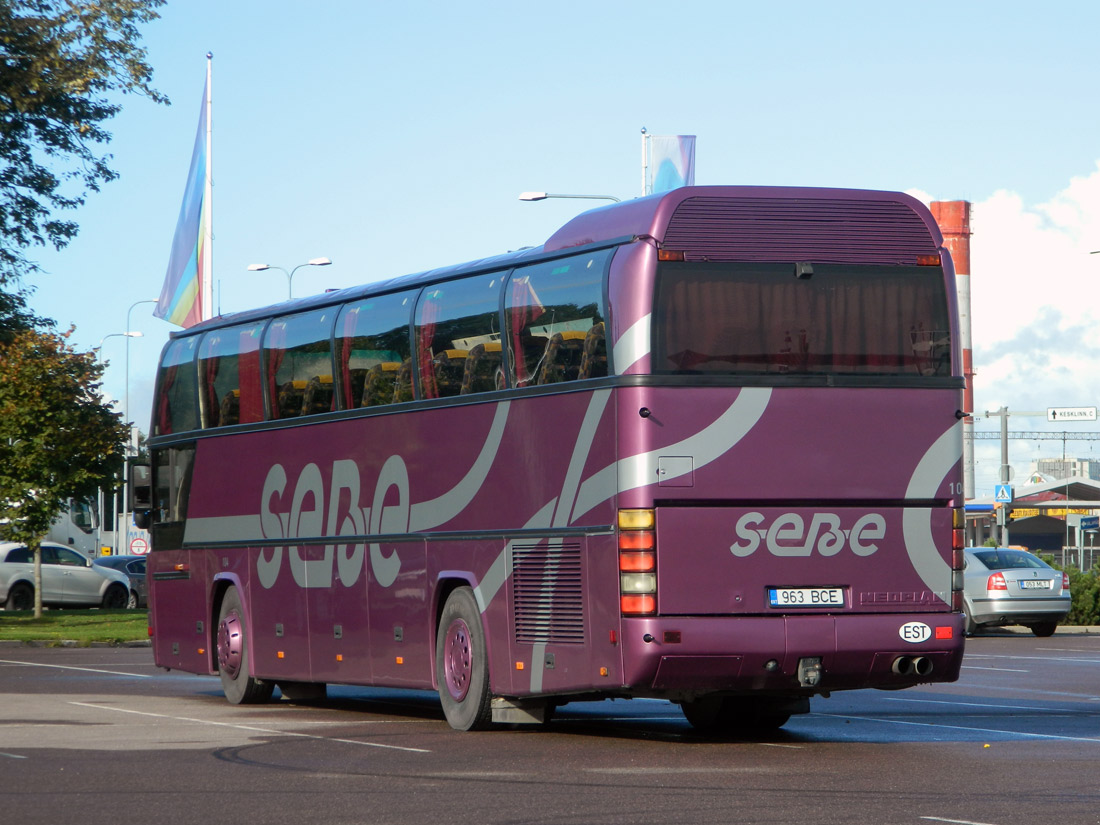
1065	582
996	582
958	559
637	562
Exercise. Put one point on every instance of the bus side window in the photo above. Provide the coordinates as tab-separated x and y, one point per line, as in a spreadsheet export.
452	319
373	347
175	408
555	315
171	490
298	355
229	376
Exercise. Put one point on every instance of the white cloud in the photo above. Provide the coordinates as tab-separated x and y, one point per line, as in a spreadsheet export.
1035	313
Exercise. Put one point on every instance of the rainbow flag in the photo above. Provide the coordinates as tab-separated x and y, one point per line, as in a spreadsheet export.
670	163
184	298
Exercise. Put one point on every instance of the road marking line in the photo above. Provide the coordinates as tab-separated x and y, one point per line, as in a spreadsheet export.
250	728
997	669
963	727
954	821
70	667
1058	711
12	755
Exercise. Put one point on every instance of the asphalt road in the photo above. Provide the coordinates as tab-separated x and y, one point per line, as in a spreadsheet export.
100	735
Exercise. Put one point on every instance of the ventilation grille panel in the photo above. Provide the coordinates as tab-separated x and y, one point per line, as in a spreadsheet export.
548	594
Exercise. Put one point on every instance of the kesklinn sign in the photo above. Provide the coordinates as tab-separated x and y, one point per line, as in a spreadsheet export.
1071	413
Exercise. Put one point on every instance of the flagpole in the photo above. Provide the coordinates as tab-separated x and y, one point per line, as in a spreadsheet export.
207	275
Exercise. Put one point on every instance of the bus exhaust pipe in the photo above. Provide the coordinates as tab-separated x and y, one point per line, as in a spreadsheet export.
912	666
922	666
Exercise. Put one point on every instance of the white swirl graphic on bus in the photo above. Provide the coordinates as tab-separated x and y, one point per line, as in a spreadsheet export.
788	535
306	519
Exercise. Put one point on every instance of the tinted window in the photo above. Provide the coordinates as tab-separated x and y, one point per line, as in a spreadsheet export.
177	403
555	319
735	318
374	350
171	489
458	337
996	559
298	355
229	376
20	555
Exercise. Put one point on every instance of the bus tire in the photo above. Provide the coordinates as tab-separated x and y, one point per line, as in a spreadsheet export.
462	664
233	656
731	716
20	597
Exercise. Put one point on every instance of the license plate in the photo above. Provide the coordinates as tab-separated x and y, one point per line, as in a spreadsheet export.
1035	584
806	596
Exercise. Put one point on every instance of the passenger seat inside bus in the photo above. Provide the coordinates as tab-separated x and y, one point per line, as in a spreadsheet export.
318	397
482	372
563	357
594	358
450	367
380	384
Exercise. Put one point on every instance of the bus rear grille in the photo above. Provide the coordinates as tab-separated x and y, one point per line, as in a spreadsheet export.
798	229
548	598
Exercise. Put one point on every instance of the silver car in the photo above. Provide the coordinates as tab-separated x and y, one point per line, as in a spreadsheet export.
69	579
1005	586
134	568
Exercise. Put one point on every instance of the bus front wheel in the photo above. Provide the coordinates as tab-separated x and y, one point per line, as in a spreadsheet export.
233	656
461	663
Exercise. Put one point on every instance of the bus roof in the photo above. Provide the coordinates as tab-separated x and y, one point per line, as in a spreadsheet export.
857	210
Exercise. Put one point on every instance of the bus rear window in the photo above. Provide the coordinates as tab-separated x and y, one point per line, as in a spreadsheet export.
762	319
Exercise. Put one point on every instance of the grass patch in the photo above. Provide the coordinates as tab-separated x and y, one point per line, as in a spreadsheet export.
85	627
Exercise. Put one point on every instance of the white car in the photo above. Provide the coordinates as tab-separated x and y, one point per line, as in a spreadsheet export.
69	579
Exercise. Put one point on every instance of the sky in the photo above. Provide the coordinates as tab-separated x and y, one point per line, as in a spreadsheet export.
396	137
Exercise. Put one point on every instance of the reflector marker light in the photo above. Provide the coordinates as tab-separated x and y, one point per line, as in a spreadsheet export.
670	255
928	260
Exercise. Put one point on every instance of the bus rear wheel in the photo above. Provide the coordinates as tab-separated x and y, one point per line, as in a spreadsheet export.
461	663
233	655
733	715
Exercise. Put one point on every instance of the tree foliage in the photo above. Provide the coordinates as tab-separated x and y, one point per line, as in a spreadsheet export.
58	438
63	64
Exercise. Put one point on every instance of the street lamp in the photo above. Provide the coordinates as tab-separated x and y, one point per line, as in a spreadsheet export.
290	275
99	355
541	196
99	350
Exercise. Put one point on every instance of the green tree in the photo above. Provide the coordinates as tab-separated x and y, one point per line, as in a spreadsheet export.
63	64
58	438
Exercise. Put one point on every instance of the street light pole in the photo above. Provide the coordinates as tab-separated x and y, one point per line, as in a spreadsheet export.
99	357
290	275
541	196
124	520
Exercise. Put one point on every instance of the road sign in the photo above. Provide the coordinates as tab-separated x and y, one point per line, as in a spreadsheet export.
1071	413
139	546
1090	523
1002	493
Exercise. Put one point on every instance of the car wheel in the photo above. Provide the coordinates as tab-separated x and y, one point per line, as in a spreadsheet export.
462	664
233	655
132	602
116	597
971	625
1044	629
20	597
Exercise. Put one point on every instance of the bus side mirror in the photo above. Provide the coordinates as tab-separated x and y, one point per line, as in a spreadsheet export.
141	494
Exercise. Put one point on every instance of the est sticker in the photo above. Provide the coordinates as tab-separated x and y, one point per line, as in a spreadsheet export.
915	632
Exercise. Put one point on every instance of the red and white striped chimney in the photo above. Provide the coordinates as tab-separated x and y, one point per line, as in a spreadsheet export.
953	218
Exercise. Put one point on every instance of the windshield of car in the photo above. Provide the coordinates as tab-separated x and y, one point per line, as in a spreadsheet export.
1001	559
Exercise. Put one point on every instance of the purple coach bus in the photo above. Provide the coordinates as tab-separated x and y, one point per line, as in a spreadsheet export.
702	446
